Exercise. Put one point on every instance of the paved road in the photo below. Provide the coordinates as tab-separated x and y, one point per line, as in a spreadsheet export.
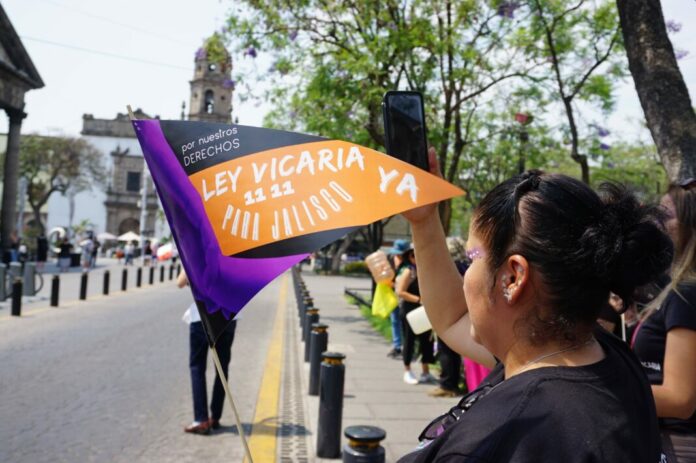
107	380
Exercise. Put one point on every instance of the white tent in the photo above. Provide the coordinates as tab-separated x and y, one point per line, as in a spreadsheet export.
106	236
129	236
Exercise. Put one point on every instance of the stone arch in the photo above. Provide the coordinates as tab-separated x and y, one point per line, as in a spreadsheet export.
129	224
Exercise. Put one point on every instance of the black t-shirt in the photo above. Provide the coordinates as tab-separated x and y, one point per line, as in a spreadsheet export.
677	311
596	413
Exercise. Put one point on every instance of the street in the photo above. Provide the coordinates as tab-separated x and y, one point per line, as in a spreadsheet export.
107	380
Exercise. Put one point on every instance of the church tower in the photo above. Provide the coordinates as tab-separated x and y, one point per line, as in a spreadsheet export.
212	85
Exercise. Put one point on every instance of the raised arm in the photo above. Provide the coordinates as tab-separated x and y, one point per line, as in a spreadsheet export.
440	284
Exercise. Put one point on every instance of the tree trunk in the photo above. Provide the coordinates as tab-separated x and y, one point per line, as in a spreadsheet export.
37	218
660	86
343	247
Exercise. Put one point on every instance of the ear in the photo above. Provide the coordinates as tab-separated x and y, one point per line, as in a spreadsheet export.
514	277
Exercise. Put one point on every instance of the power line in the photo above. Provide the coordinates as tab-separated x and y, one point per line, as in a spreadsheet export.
117	23
103	53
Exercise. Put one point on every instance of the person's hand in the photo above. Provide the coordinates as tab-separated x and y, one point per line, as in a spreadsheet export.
421	213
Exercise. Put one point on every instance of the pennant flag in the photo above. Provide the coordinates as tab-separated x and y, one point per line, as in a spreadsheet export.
245	203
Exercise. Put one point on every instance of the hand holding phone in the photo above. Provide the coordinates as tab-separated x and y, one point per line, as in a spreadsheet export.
404	127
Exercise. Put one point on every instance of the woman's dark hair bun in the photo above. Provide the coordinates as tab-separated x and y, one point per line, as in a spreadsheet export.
627	247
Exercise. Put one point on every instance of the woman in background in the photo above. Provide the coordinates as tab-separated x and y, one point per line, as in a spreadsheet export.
665	341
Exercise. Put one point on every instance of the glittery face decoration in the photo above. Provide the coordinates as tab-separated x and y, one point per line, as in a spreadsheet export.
475	253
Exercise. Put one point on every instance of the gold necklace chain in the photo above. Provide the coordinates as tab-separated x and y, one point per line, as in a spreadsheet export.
545	356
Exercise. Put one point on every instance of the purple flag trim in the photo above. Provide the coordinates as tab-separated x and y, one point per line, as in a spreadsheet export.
220	282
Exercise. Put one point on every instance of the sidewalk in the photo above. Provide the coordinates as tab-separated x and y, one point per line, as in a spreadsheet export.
374	391
70	282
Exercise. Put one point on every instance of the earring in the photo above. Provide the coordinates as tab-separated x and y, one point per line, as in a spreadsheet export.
507	295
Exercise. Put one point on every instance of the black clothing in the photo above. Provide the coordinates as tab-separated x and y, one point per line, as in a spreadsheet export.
451	364
41	249
409	337
65	250
677	311
607	313
602	412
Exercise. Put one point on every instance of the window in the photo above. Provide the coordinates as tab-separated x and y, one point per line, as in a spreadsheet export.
209	101
133	181
212	67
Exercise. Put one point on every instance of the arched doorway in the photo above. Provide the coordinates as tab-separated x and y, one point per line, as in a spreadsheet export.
129	224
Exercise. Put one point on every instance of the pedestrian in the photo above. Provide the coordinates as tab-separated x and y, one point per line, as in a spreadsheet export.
203	422
95	252
394	254
153	253
147	253
64	255
409	299
665	340
451	361
545	252
128	251
87	248
41	251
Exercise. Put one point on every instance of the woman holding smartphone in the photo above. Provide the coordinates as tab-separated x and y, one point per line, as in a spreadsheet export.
546	250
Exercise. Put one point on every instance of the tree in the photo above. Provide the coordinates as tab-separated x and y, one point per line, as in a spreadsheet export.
333	61
660	86
56	164
579	40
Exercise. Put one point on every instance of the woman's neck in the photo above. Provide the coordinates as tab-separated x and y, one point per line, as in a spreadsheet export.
523	356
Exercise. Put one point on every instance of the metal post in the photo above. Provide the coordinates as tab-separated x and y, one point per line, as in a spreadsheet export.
152	275
124	279
15	271
311	318
178	269
319	339
105	290
3	275
83	286
171	272
29	278
17	297
55	287
330	405
139	277
161	273
363	445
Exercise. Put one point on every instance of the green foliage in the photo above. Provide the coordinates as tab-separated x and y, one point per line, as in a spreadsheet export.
359	267
479	64
381	325
57	164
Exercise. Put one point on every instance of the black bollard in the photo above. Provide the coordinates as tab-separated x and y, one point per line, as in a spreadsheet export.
363	445
83	286
17	297
124	279
311	318
178	269
161	273
152	275
171	272
318	341
306	303
55	287
333	374
105	289
139	277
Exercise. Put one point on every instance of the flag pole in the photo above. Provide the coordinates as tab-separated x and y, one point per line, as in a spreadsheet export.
218	366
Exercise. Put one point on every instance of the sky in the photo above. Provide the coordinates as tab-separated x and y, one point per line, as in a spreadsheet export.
97	56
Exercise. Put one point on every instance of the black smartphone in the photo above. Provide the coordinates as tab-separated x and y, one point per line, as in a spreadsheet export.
404	128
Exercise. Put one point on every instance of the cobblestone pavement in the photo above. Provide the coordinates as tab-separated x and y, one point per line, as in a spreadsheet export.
107	380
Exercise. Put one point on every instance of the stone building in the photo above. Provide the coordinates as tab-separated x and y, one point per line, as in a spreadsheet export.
211	89
117	208
18	75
